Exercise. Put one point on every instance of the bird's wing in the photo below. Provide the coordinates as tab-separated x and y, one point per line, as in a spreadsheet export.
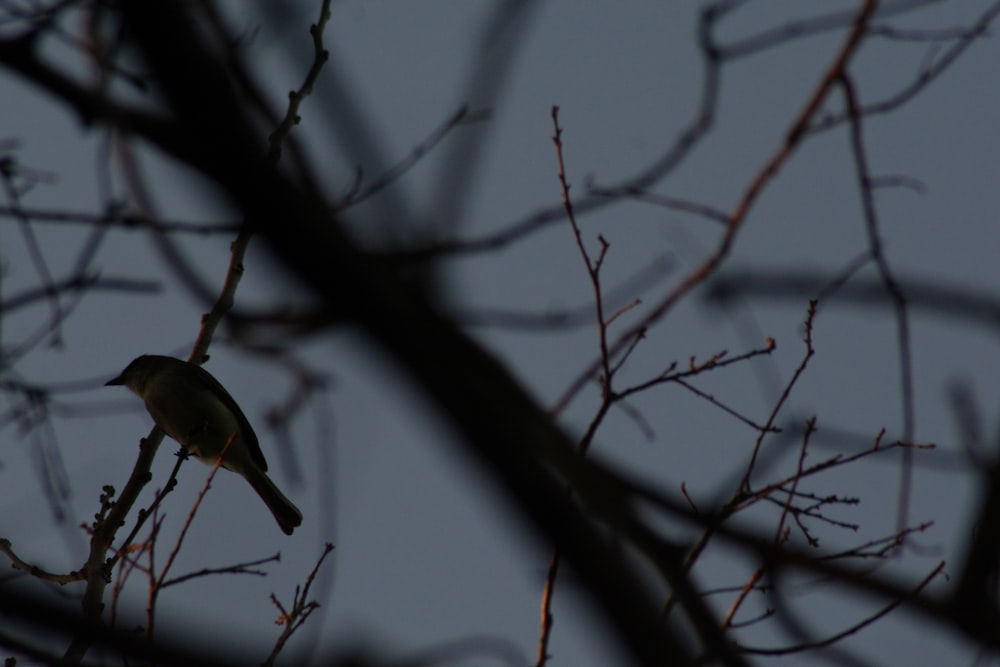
249	437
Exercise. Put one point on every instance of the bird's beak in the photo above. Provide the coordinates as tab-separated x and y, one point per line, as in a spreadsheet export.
114	381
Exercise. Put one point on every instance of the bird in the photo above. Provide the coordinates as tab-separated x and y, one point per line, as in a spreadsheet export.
193	408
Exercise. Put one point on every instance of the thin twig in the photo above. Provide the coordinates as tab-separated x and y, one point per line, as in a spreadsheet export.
294	617
853	629
892	287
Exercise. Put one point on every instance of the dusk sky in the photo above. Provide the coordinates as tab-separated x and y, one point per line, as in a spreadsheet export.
428	549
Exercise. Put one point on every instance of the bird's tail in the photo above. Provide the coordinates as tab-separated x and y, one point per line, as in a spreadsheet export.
285	512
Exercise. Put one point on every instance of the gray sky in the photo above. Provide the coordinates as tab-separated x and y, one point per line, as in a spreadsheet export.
427	552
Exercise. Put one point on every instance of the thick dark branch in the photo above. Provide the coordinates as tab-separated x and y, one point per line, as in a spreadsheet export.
500	423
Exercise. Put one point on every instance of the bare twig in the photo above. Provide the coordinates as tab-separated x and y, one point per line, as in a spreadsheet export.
117	217
298	613
296	97
857	627
360	192
157	581
18	564
892	288
81	283
769	423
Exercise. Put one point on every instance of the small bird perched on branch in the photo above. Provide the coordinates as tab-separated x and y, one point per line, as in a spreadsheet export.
194	409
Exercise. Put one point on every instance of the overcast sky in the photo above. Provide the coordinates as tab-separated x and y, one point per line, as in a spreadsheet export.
426	550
